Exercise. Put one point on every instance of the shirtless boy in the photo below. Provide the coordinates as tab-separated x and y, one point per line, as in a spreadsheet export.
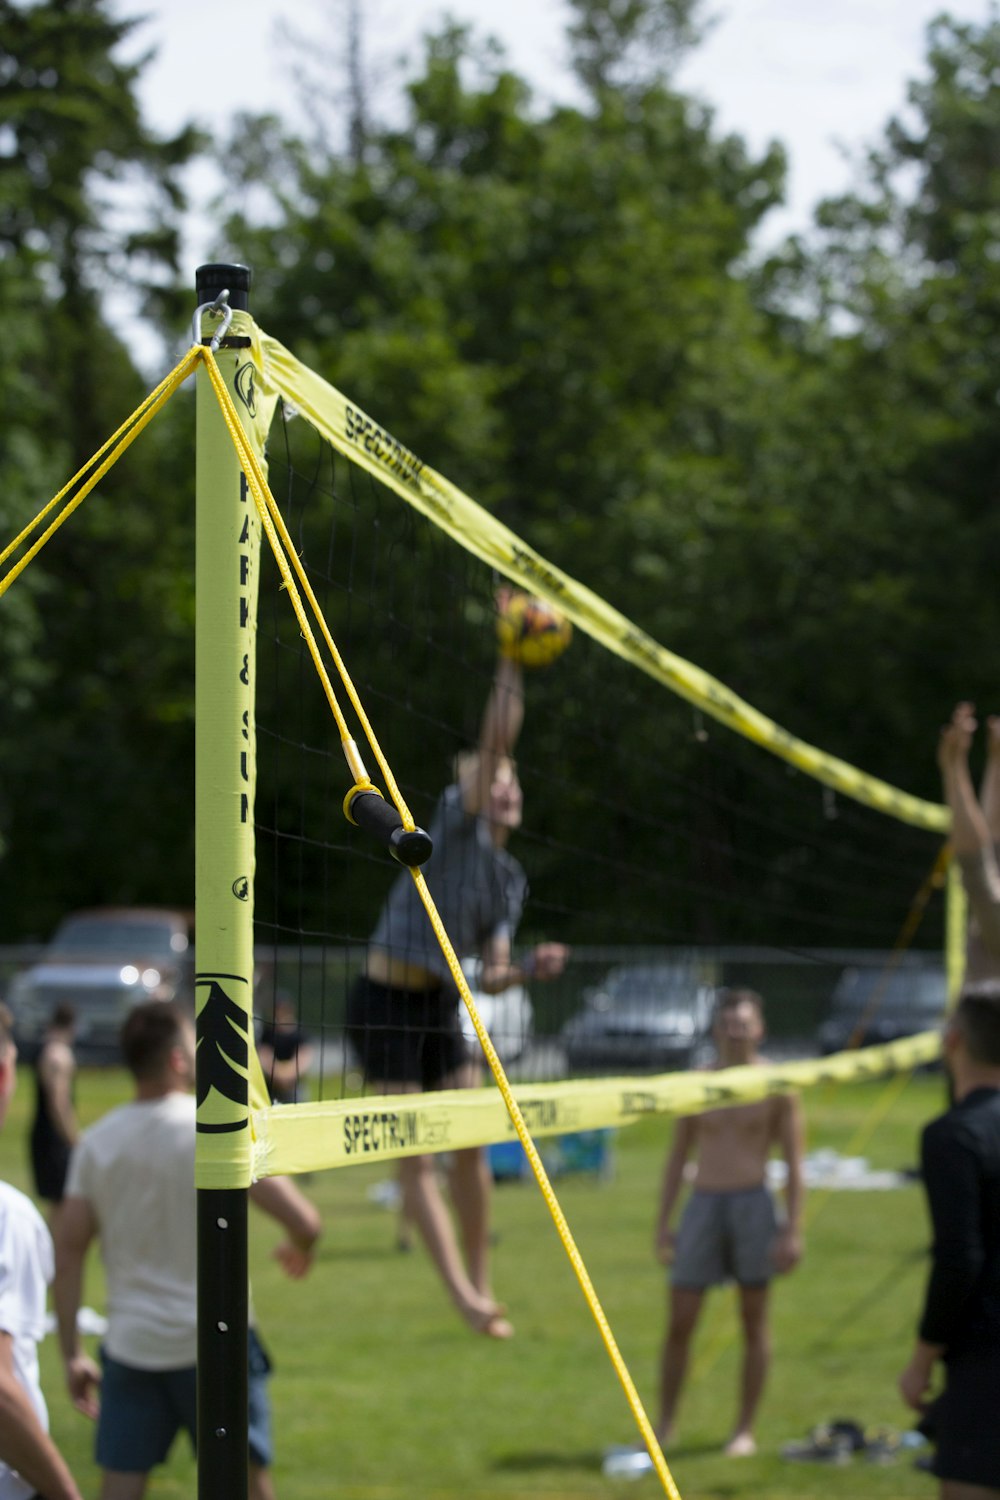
729	1229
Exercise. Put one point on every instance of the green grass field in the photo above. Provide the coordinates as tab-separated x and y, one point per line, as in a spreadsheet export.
380	1393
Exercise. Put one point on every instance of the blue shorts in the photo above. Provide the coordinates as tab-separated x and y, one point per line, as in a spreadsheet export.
142	1412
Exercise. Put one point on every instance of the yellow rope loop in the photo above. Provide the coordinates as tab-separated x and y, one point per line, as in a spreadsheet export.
363	785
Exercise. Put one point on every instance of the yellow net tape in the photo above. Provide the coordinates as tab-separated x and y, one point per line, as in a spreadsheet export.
345	1132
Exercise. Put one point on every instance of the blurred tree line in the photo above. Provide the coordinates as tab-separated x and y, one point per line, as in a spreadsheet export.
781	465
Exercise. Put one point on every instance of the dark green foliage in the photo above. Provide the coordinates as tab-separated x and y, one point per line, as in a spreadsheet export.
96	741
786	472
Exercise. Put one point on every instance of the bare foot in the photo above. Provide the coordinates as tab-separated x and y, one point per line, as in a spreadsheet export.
741	1446
489	1320
495	1326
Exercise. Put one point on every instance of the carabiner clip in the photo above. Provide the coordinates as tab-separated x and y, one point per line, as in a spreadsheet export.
220	306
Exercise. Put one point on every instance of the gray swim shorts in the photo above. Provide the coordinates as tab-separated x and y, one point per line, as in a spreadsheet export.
725	1237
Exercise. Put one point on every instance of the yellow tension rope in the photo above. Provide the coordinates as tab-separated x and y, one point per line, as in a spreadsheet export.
114	448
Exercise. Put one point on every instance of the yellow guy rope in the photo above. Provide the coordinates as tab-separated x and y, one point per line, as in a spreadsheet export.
117	443
273	524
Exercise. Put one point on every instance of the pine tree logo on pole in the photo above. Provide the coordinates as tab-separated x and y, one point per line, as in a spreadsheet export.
246	387
223	1056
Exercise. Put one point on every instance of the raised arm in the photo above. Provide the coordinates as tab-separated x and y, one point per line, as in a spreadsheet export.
499	729
989	791
970	831
972	838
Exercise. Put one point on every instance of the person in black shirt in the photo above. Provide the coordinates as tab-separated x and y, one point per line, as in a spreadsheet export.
960	1325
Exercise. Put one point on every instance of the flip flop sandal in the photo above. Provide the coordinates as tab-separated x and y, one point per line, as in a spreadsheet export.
821	1447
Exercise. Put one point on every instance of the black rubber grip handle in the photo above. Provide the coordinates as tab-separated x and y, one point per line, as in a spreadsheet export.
378	817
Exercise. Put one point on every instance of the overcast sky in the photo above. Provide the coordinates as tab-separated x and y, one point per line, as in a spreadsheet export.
822	76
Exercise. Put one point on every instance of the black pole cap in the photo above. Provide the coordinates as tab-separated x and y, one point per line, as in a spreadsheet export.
210	280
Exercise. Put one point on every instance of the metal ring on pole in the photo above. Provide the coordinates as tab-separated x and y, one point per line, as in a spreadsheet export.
221	306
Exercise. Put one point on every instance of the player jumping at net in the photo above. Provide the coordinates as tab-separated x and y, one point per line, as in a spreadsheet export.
975	835
403	1013
729	1230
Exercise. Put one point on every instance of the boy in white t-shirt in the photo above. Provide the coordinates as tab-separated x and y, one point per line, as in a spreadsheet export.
131	1183
30	1462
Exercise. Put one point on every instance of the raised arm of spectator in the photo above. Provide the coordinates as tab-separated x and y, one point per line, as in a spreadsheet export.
970	831
989	791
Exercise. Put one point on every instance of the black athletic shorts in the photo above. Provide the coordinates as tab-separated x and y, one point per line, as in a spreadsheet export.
405	1036
49	1165
966	1420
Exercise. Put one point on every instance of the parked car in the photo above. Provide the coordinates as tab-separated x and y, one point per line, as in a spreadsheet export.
641	1017
104	962
882	1005
508	1016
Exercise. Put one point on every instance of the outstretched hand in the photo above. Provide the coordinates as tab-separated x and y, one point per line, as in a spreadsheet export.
915	1383
786	1251
548	960
83	1381
294	1259
993	734
956	736
665	1245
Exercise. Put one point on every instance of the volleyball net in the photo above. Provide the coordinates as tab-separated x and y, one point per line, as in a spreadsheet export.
671	829
728	862
696	840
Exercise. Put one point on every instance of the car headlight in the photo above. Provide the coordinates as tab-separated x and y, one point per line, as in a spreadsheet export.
150	978
128	974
